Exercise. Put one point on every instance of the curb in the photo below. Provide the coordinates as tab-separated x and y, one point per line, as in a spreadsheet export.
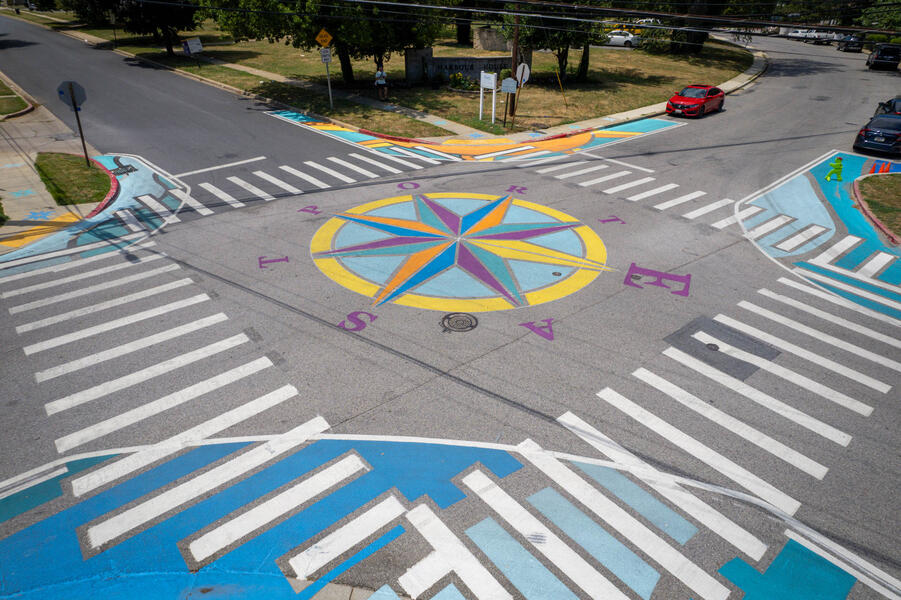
110	196
22	94
855	188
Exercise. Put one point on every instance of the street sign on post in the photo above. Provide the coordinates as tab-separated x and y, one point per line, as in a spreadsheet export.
508	86
74	95
324	38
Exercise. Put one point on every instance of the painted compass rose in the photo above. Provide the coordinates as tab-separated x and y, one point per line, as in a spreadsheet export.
458	252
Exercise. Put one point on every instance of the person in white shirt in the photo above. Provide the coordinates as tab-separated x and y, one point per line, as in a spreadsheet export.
381	81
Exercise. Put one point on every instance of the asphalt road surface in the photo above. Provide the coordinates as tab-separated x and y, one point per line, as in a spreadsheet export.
684	419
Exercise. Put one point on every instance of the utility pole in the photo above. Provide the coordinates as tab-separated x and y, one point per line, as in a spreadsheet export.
514	62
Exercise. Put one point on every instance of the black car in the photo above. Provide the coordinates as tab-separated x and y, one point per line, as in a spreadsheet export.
884	56
889	107
882	133
849	43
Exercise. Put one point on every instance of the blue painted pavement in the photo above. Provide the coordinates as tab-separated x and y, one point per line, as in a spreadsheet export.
795	574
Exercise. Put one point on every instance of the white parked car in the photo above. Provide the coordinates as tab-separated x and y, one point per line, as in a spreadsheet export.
797	34
620	37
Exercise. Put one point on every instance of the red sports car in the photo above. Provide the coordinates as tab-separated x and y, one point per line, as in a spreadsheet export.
696	101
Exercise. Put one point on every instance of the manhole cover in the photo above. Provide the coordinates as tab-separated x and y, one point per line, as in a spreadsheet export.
459	322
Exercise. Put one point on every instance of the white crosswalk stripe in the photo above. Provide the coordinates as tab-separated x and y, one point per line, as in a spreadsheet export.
654	192
132	518
557	552
581	171
222	195
129	219
628	526
708	208
836	250
802	237
249	187
712	458
629	185
190	201
329	171
734	534
277	182
134	462
125	349
739	428
765	400
177	362
376	163
560	167
680	200
159	208
737	218
83	275
347	536
102	306
91	289
875	264
352	167
306	177
598	180
159	405
773	224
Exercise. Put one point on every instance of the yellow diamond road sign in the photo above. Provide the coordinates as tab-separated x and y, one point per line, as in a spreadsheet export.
324	38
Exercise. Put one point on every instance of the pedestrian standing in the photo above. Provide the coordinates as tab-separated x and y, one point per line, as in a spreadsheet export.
381	81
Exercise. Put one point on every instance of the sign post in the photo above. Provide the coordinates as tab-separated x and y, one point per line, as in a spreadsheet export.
486	81
324	38
508	86
74	96
522	76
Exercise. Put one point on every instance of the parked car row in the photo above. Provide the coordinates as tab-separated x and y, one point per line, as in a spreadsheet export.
814	36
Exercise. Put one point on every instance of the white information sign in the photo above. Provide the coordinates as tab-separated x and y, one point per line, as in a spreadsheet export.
508	86
487	81
192	46
326	54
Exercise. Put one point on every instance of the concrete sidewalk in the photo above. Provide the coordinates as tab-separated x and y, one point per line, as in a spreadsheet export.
31	209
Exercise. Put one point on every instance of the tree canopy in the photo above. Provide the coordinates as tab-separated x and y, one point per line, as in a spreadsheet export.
359	30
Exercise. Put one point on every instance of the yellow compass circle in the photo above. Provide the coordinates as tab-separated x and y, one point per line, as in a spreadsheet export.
458	252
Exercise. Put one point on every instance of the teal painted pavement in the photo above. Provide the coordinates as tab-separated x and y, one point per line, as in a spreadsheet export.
796	574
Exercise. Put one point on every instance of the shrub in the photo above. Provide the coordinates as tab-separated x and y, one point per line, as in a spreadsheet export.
3	217
877	38
895	40
461	82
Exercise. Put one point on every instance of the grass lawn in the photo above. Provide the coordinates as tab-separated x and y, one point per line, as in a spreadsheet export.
882	193
5	90
69	180
11	104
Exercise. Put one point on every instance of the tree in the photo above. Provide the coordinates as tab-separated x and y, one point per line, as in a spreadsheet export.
90	12
358	30
553	27
161	20
883	14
